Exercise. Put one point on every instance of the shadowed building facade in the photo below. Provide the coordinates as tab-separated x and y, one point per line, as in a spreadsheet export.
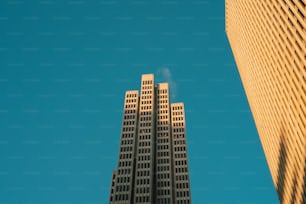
152	163
268	40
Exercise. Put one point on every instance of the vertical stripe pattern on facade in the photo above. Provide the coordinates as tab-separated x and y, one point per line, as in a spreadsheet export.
123	182
163	146
268	40
145	145
180	164
112	191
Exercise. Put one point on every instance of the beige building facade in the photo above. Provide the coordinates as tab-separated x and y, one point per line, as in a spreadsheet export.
152	164
268	40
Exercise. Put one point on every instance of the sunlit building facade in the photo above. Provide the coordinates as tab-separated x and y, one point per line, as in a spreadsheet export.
152	164
268	40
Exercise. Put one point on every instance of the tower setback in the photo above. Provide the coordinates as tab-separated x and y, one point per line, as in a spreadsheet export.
152	164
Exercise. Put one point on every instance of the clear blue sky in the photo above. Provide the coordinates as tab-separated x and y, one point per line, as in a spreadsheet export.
64	68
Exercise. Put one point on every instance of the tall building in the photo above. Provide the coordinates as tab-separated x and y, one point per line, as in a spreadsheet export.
268	40
152	164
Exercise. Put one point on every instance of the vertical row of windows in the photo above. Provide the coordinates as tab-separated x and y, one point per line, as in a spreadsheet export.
112	187
143	166
163	160
181	178
123	179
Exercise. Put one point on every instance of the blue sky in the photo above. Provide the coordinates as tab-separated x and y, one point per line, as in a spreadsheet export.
64	68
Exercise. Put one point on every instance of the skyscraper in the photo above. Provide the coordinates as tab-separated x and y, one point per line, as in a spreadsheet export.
268	40
152	163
